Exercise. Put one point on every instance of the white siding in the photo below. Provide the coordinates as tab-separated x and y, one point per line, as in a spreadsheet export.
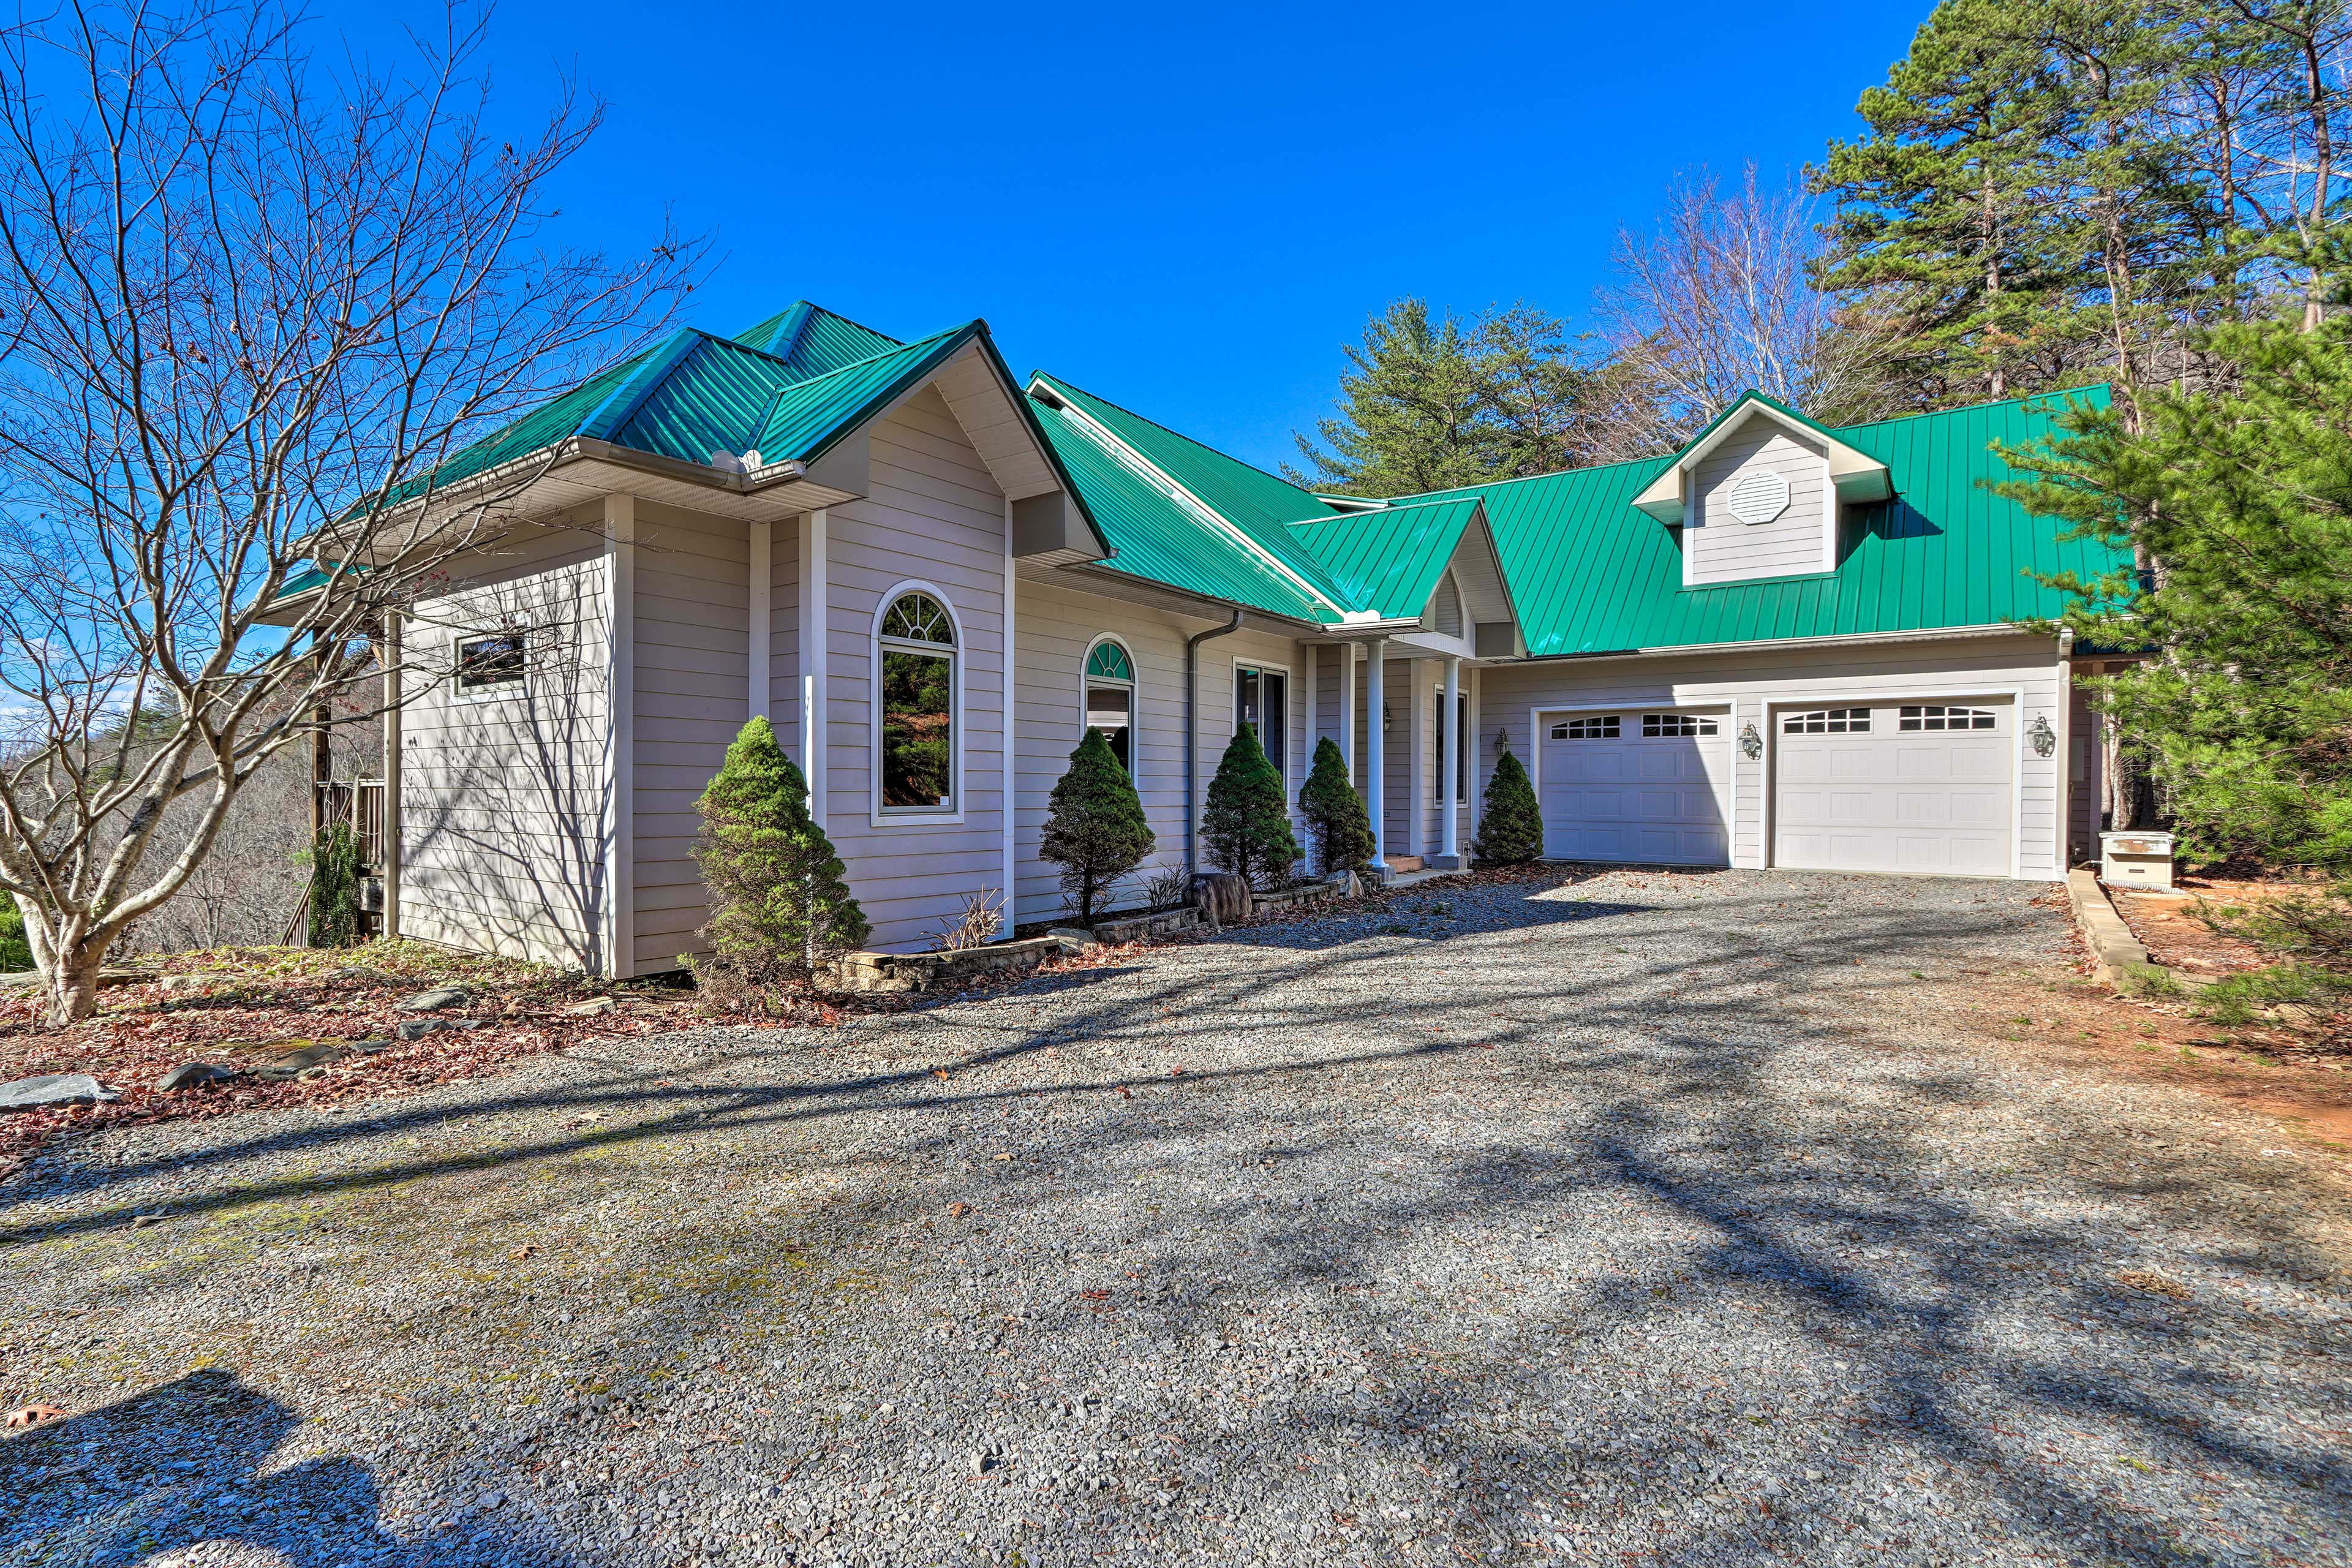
693	697
1751	683
1725	550
932	514
502	799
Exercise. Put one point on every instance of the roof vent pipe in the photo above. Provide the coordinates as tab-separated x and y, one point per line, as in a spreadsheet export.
1192	738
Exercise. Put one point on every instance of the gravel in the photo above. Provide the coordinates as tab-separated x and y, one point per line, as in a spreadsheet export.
1670	1218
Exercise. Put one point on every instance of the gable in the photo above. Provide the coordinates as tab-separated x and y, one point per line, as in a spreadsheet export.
1760	504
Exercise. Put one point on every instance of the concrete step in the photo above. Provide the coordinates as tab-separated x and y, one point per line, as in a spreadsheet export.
1399	864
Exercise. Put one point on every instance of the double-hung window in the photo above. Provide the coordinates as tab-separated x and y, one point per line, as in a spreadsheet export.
1262	700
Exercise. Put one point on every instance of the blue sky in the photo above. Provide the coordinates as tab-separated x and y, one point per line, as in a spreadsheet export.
1188	209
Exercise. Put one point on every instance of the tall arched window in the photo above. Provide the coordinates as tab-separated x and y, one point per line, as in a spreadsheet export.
1110	699
916	650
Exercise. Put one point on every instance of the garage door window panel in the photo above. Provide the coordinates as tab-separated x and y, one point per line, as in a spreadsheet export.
1926	717
1827	721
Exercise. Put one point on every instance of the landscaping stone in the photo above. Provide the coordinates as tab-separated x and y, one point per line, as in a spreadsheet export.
1074	939
439	999
593	1008
417	1029
1139	927
294	1063
193	1075
899	971
54	1088
1222	898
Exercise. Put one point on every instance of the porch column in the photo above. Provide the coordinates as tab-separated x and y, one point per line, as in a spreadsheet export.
1348	707
759	625
388	829
814	598
1375	749
1449	764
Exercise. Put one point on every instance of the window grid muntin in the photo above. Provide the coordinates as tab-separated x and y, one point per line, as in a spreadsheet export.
1827	721
1933	716
1594	727
916	624
1677	726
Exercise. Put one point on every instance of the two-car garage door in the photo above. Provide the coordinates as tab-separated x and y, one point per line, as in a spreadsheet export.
1920	786
1856	786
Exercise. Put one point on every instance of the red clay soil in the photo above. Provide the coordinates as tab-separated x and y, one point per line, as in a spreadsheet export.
2168	924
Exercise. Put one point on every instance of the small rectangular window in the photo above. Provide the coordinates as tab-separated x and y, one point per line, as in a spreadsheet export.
1827	721
1929	715
486	663
1599	727
1655	726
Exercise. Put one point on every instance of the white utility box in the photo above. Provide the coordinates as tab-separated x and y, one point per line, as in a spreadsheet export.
2137	860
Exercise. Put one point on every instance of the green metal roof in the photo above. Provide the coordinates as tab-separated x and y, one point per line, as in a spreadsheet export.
1591	575
812	340
1157	540
1389	560
1252	500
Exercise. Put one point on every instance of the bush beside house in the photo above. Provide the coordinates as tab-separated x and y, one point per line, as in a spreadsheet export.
781	911
1510	825
1095	826
1337	819
1247	824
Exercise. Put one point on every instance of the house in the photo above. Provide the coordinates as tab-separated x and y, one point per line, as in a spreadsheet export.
1783	644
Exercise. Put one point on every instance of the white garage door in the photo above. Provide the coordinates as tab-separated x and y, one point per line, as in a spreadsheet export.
1895	788
1640	786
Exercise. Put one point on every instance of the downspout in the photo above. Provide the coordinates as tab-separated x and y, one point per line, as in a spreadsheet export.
1192	738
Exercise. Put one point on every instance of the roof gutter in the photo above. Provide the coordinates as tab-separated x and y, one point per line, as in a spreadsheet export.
1763	645
1193	741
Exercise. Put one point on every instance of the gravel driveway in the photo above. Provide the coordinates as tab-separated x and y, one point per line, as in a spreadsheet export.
1662	1218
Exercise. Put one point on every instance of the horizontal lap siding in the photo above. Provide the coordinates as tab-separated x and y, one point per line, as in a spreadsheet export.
1724	549
1749	683
693	693
502	801
932	514
1056	626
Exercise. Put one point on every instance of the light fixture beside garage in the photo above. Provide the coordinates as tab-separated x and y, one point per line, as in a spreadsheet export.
1752	744
2044	739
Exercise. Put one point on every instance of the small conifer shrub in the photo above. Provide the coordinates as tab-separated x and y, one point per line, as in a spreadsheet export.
1510	825
1095	827
781	910
1336	820
1247	824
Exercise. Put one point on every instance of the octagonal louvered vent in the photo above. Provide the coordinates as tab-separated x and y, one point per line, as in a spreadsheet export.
1758	496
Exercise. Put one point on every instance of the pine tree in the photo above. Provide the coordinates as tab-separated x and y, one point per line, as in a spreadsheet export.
1095	826
1247	824
1510	824
779	908
1336	817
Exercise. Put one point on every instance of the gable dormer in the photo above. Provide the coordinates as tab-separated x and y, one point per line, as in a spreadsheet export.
1757	495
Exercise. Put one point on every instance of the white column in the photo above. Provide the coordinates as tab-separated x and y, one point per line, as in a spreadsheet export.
760	626
390	830
1477	728
1011	721
620	754
1449	767
1375	747
813	647
1416	686
1348	706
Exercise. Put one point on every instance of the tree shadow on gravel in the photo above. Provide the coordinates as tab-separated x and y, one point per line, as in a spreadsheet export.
185	1463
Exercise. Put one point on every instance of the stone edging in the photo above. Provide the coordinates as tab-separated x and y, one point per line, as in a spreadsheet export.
2117	958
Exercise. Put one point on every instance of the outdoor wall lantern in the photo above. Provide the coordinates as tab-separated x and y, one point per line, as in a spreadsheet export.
1502	740
2044	738
1387	719
1752	744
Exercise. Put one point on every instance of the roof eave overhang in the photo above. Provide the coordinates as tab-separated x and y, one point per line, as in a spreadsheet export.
1837	639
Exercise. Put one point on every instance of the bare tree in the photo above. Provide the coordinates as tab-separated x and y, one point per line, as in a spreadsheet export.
244	303
1717	301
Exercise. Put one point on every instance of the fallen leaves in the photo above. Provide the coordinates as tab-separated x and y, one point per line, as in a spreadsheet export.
957	1211
2157	1284
527	1250
32	1415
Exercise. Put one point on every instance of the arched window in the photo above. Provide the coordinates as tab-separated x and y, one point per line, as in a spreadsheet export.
1110	698
916	650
